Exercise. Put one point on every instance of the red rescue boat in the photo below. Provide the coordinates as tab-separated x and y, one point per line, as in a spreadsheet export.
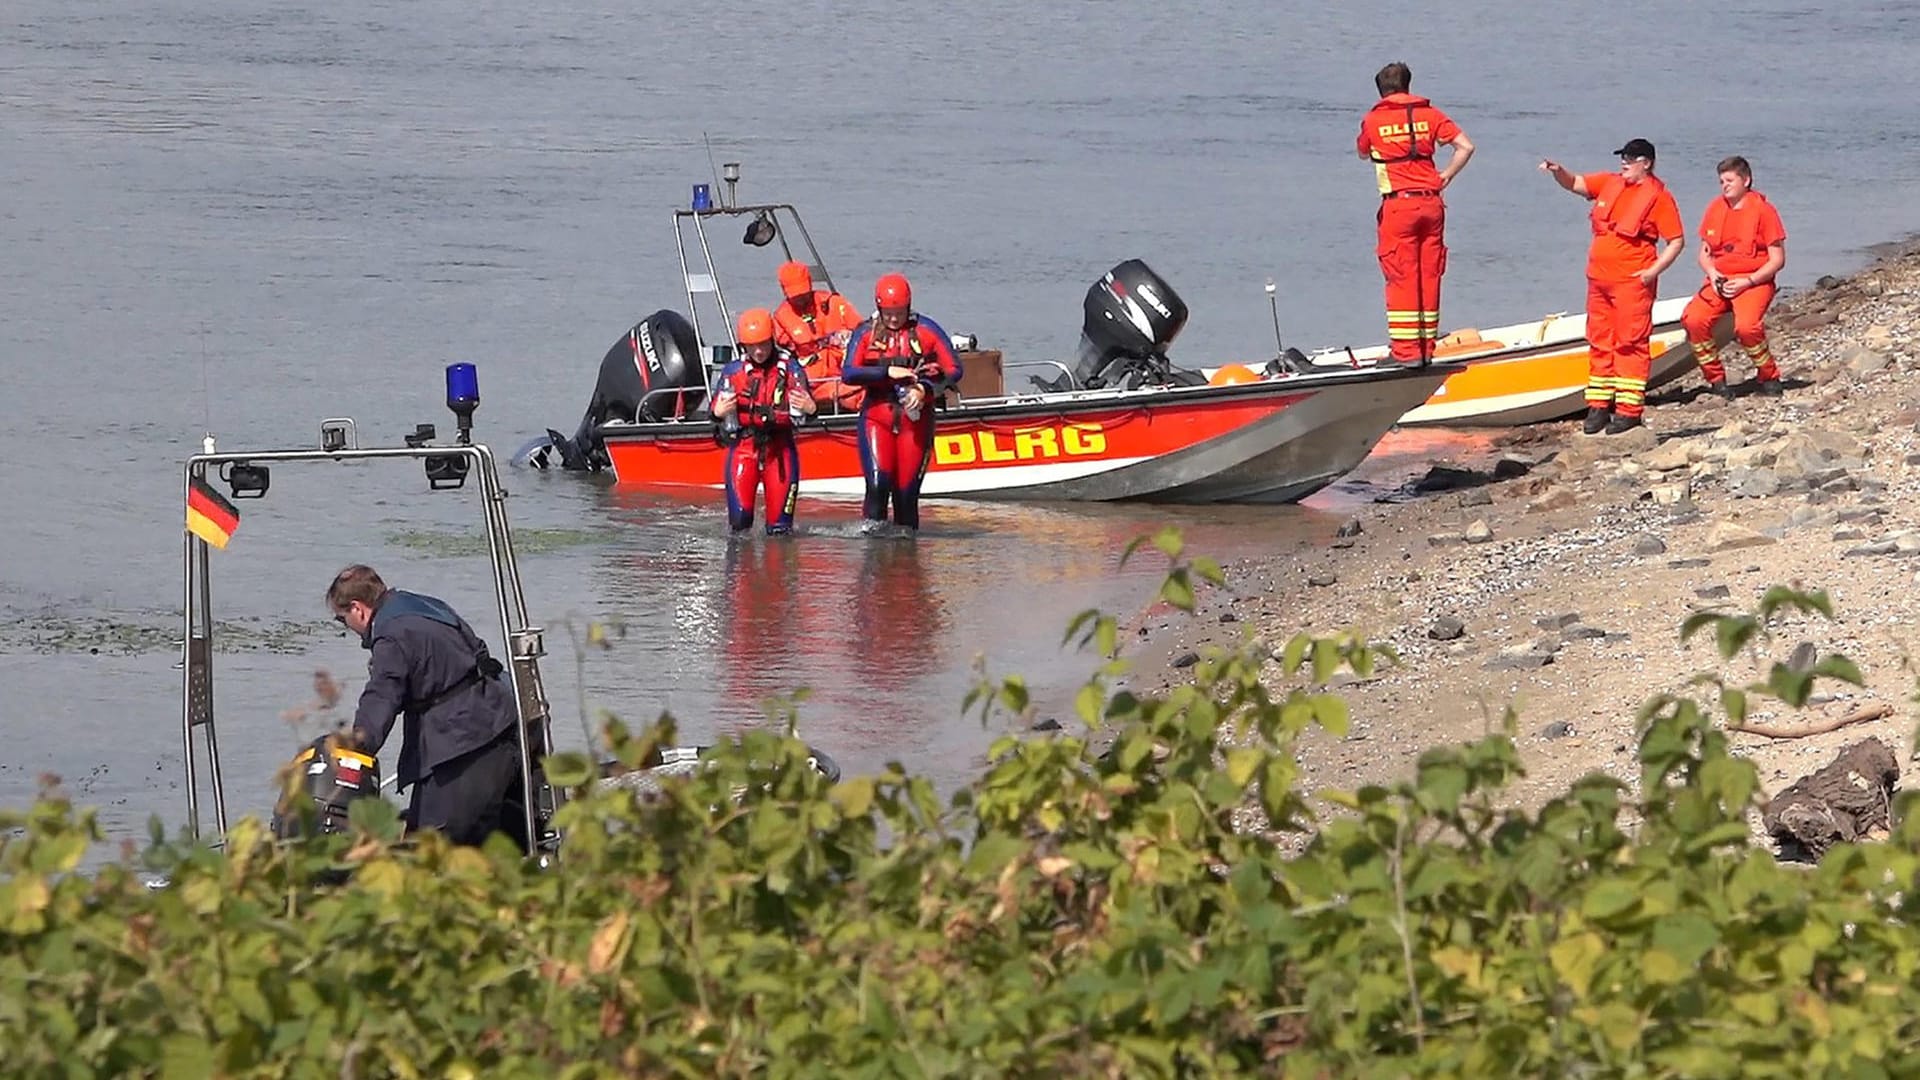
1122	423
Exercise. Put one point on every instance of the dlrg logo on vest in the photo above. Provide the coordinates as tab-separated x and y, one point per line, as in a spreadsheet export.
970	447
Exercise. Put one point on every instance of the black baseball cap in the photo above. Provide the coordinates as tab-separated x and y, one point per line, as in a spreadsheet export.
1636	148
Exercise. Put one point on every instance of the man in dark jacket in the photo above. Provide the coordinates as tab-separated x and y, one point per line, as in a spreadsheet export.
457	747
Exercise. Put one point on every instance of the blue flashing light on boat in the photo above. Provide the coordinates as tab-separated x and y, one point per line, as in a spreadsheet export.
702	197
463	395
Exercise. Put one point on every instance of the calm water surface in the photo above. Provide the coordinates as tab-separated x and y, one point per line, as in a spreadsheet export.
246	218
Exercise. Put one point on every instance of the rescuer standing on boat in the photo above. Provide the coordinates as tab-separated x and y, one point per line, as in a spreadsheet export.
755	399
904	362
815	325
1399	135
1743	247
1631	210
458	750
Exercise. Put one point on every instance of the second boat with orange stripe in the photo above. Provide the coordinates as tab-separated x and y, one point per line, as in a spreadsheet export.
1535	371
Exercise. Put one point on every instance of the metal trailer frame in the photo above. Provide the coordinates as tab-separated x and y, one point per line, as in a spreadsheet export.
526	642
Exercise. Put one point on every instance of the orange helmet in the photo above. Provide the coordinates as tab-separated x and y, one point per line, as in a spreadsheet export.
795	279
1233	374
756	326
892	291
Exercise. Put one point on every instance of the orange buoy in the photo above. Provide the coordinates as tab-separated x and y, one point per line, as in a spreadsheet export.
1233	374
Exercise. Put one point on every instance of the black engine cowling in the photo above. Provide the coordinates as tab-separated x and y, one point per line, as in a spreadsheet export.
328	778
1131	318
652	373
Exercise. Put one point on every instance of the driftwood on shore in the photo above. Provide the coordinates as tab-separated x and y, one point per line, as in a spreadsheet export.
1844	801
1816	727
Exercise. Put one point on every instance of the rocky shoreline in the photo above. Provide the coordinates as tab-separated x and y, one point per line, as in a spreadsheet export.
1555	578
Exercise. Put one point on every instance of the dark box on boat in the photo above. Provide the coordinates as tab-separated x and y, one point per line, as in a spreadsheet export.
980	376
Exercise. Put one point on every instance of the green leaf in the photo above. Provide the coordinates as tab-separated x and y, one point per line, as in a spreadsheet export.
1575	959
1331	713
186	1057
1661	968
1241	764
1295	653
1790	686
567	769
1326	659
1687	935
1441	780
992	852
1013	693
1177	591
1835	666
1698	620
854	797
1609	899
1733	634
1734	703
1088	703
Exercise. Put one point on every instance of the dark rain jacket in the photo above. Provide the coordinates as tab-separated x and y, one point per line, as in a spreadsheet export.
429	665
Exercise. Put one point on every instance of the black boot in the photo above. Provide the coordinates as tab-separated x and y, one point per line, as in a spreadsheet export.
1597	418
1623	424
1719	388
1771	387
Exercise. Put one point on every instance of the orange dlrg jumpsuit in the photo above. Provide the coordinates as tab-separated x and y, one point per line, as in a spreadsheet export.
1738	237
1399	135
1626	219
806	337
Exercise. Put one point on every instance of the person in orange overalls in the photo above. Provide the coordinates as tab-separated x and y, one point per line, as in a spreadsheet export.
814	325
1633	214
1743	247
1399	135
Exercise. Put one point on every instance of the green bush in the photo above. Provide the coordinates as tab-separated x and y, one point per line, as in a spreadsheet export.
1127	903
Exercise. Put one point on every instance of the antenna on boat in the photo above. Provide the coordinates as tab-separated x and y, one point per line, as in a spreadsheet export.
206	389
1273	305
716	168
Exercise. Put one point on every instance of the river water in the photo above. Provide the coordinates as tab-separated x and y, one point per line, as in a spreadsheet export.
244	218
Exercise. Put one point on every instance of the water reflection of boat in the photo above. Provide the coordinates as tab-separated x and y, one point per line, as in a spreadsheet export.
1120	423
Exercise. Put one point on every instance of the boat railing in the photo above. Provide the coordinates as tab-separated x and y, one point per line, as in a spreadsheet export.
767	224
668	393
1072	383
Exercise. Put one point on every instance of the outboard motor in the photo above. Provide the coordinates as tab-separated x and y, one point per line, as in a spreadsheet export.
1132	317
329	777
652	373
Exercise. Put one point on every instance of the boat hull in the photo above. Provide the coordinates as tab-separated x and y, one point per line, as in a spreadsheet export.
1543	381
1267	442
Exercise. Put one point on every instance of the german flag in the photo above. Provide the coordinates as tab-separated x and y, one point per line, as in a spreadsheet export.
209	515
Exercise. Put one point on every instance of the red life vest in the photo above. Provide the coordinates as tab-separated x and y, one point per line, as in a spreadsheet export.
1621	209
808	333
1401	133
1734	237
904	345
760	393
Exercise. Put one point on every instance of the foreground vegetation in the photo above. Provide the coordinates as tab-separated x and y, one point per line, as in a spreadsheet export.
1075	912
